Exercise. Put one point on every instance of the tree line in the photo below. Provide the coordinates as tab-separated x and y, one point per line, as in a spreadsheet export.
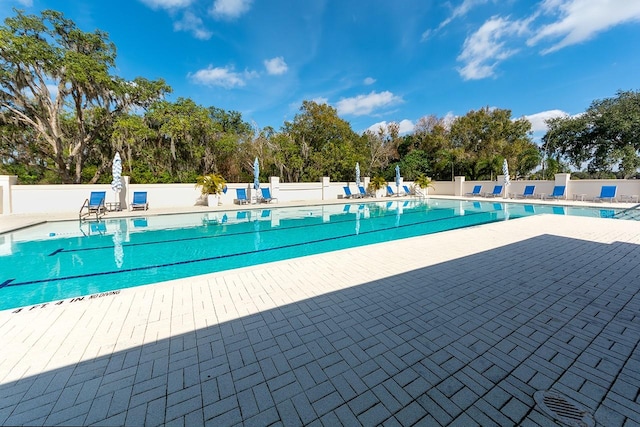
64	115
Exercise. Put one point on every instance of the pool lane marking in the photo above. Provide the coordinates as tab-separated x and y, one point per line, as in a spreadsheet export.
393	215
6	283
217	257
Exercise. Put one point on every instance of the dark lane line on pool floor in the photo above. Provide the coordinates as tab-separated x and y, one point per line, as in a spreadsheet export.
128	245
8	283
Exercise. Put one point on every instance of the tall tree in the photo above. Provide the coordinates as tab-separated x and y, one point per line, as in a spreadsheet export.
287	157
325	142
234	148
489	135
378	151
185	134
55	79
606	136
431	135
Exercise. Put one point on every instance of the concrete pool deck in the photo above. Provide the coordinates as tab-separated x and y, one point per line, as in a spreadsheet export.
458	328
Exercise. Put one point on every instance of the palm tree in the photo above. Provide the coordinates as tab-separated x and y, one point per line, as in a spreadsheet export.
377	183
423	182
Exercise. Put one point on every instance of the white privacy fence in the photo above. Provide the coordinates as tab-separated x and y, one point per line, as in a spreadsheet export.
24	199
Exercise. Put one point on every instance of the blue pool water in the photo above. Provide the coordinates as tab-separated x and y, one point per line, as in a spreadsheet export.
55	261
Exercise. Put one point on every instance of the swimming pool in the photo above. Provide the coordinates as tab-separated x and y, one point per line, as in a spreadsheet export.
60	260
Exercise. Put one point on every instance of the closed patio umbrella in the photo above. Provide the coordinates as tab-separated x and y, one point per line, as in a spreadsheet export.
256	174
116	171
357	174
505	172
397	179
507	181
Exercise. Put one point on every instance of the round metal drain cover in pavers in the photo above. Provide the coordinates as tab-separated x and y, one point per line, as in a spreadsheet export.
563	409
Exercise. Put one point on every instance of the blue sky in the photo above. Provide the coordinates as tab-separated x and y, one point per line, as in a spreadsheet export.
375	61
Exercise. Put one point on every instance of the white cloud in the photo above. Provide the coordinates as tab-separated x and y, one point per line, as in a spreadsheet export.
26	3
380	126
167	4
448	119
459	11
377	126
538	119
581	20
574	21
221	76
426	34
364	104
404	126
320	100
192	24
486	48
369	81
230	9
276	66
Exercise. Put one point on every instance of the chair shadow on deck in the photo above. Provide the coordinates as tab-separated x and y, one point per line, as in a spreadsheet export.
393	342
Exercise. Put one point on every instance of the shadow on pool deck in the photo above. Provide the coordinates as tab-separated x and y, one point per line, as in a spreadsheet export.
464	342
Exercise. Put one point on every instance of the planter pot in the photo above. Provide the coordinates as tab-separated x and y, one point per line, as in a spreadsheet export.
424	192
213	200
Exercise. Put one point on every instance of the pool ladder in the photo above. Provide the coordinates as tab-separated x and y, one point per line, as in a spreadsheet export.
99	211
632	213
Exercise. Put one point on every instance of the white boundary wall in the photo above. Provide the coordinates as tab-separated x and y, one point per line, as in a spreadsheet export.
23	199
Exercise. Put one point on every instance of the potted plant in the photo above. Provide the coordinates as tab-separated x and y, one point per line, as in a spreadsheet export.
211	186
423	182
377	183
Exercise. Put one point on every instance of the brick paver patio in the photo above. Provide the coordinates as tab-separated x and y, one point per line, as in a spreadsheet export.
459	328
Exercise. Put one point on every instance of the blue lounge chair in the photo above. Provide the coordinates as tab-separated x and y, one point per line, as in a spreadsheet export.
266	195
407	190
241	196
139	201
96	201
347	193
528	192
558	192
607	192
390	191
94	205
476	191
497	192
363	192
